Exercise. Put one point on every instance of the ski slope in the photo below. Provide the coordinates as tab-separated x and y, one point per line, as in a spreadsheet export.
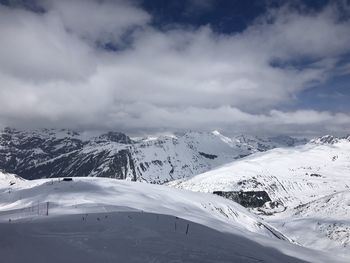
106	220
85	195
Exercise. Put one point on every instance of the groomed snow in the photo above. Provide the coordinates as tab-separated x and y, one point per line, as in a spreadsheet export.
104	220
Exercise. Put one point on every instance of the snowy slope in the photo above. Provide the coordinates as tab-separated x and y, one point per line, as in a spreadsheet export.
308	186
112	195
168	158
10	180
58	153
290	176
105	220
328	218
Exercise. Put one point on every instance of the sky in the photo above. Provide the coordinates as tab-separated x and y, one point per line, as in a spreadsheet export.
263	67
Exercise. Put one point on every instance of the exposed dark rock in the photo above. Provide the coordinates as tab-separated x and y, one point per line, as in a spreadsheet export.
253	183
247	199
67	179
157	162
209	156
316	175
327	139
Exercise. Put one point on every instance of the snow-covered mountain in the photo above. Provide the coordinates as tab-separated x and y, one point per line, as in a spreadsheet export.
307	187
304	191
58	153
107	220
290	176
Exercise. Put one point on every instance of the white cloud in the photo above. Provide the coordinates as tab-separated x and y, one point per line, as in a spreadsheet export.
36	47
103	21
288	33
52	73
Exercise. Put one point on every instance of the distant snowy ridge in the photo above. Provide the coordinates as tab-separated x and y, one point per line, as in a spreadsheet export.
329	139
58	153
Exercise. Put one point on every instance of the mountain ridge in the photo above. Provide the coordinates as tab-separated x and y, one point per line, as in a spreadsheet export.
59	153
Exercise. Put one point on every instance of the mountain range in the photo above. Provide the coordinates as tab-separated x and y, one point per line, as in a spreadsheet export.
294	190
64	153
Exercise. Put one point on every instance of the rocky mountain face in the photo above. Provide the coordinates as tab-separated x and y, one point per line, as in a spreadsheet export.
329	139
62	153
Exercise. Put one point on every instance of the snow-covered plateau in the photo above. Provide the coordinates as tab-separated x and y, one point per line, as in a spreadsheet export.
108	220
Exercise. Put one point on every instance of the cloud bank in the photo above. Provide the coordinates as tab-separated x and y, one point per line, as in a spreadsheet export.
102	65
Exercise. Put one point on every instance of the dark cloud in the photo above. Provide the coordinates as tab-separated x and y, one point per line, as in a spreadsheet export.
56	71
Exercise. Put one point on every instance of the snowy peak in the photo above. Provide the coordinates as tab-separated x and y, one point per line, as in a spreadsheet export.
217	133
327	139
266	143
211	143
330	139
113	137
